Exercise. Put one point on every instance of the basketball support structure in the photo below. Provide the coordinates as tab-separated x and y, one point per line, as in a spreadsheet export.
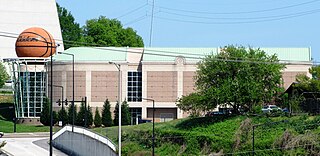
29	82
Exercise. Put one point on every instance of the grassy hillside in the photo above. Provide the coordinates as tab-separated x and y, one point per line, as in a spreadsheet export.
225	135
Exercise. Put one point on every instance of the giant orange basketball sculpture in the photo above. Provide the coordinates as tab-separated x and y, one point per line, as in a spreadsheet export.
35	42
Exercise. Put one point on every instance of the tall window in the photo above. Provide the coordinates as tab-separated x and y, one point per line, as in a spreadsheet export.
134	86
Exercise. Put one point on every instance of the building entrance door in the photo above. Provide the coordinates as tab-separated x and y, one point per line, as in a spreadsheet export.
135	115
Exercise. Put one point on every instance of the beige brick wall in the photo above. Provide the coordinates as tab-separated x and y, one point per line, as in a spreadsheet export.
289	77
57	80
162	85
104	85
159	111
79	85
188	82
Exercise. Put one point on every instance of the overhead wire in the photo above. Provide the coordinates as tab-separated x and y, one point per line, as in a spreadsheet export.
242	18
241	12
132	11
240	22
136	20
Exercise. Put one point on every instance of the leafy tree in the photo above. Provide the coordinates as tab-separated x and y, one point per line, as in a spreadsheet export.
110	32
307	84
238	77
45	113
194	103
70	110
106	114
71	31
125	114
3	75
63	116
97	118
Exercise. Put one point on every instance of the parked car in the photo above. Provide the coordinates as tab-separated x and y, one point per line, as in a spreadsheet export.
1	134
268	108
140	121
215	114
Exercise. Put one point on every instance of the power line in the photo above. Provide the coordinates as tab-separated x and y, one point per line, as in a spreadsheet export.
241	12
136	20
243	18
132	11
238	22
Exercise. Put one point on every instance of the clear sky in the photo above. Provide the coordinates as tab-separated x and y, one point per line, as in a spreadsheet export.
208	23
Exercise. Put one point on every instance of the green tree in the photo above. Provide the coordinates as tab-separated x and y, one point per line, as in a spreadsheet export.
45	113
125	114
89	116
71	31
106	114
307	84
55	117
70	110
81	115
97	118
110	32
194	103
3	75
238	77
116	115
63	116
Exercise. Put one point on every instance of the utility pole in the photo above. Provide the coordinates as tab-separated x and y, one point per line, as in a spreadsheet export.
151	25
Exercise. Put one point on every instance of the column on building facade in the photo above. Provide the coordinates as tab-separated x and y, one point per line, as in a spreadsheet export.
88	85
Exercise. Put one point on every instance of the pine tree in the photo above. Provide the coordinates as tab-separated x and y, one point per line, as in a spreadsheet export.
97	118
106	114
55	118
63	116
81	114
116	115
125	113
89	116
70	109
45	113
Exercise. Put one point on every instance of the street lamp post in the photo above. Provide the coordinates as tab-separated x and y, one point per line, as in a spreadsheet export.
73	109
152	123
61	93
119	99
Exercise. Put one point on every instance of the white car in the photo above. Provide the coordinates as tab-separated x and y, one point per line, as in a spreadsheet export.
268	108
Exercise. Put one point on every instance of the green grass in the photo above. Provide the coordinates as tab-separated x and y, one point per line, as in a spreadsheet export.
7	127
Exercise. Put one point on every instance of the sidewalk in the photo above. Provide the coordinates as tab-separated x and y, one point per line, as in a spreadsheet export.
27	135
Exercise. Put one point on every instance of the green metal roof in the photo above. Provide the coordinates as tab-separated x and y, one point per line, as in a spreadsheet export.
286	54
102	54
94	54
290	54
170	54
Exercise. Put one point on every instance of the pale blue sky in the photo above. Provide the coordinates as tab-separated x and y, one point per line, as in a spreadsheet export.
208	23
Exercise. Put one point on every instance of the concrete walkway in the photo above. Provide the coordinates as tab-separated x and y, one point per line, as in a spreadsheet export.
28	144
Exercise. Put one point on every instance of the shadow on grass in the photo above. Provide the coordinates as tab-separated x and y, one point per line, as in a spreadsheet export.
201	121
